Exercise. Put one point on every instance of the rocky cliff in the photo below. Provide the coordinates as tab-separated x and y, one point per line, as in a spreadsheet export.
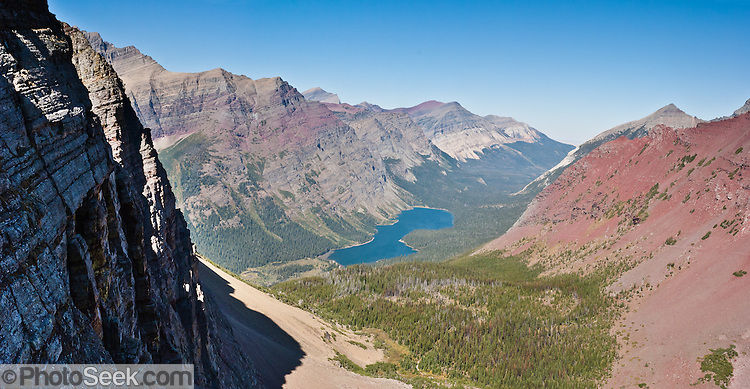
96	265
667	217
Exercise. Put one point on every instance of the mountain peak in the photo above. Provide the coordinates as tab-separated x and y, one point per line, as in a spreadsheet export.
318	94
669	109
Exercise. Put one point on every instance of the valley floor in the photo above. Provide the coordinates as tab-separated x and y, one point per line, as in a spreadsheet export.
291	348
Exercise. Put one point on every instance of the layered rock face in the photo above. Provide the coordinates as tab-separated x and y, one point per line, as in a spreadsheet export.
669	115
96	261
668	216
391	136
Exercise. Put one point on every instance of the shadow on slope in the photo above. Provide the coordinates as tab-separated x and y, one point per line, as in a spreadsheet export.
274	353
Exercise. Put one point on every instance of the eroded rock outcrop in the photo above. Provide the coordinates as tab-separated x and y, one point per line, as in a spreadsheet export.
96	261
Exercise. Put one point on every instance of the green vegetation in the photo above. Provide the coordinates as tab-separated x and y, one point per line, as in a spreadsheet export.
235	237
670	241
652	192
287	194
718	366
255	242
360	345
684	161
738	150
704	237
347	363
481	212
739	273
486	320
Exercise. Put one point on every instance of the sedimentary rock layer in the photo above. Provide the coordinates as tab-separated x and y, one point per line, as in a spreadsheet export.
97	264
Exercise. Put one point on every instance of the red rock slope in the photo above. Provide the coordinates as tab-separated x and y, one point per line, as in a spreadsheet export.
672	209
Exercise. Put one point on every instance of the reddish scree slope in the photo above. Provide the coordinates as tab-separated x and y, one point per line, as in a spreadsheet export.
606	210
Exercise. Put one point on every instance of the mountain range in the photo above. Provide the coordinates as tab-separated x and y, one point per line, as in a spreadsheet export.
265	175
318	94
623	265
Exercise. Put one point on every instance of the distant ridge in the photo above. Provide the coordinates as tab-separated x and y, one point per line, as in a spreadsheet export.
318	94
466	136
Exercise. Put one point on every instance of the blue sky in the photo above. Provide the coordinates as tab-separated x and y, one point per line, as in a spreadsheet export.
569	68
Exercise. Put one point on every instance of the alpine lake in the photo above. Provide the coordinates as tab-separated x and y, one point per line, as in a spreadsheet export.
388	243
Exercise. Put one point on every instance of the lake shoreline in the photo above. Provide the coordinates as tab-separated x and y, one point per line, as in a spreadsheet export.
407	221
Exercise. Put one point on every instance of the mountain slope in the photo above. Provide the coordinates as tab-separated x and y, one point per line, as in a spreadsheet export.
668	115
669	215
96	262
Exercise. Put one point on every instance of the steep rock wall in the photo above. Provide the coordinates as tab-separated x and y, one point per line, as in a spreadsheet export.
96	261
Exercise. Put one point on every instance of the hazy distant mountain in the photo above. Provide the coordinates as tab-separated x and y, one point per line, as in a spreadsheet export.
464	135
317	94
668	115
498	151
667	215
370	107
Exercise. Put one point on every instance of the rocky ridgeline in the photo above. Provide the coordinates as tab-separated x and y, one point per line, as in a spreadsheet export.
96	261
744	109
668	115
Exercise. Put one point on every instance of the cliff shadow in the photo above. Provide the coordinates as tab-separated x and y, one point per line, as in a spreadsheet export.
274	353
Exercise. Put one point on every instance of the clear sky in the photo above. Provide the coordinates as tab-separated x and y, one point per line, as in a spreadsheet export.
569	68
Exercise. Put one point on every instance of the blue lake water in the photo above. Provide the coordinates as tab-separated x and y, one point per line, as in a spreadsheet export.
387	240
